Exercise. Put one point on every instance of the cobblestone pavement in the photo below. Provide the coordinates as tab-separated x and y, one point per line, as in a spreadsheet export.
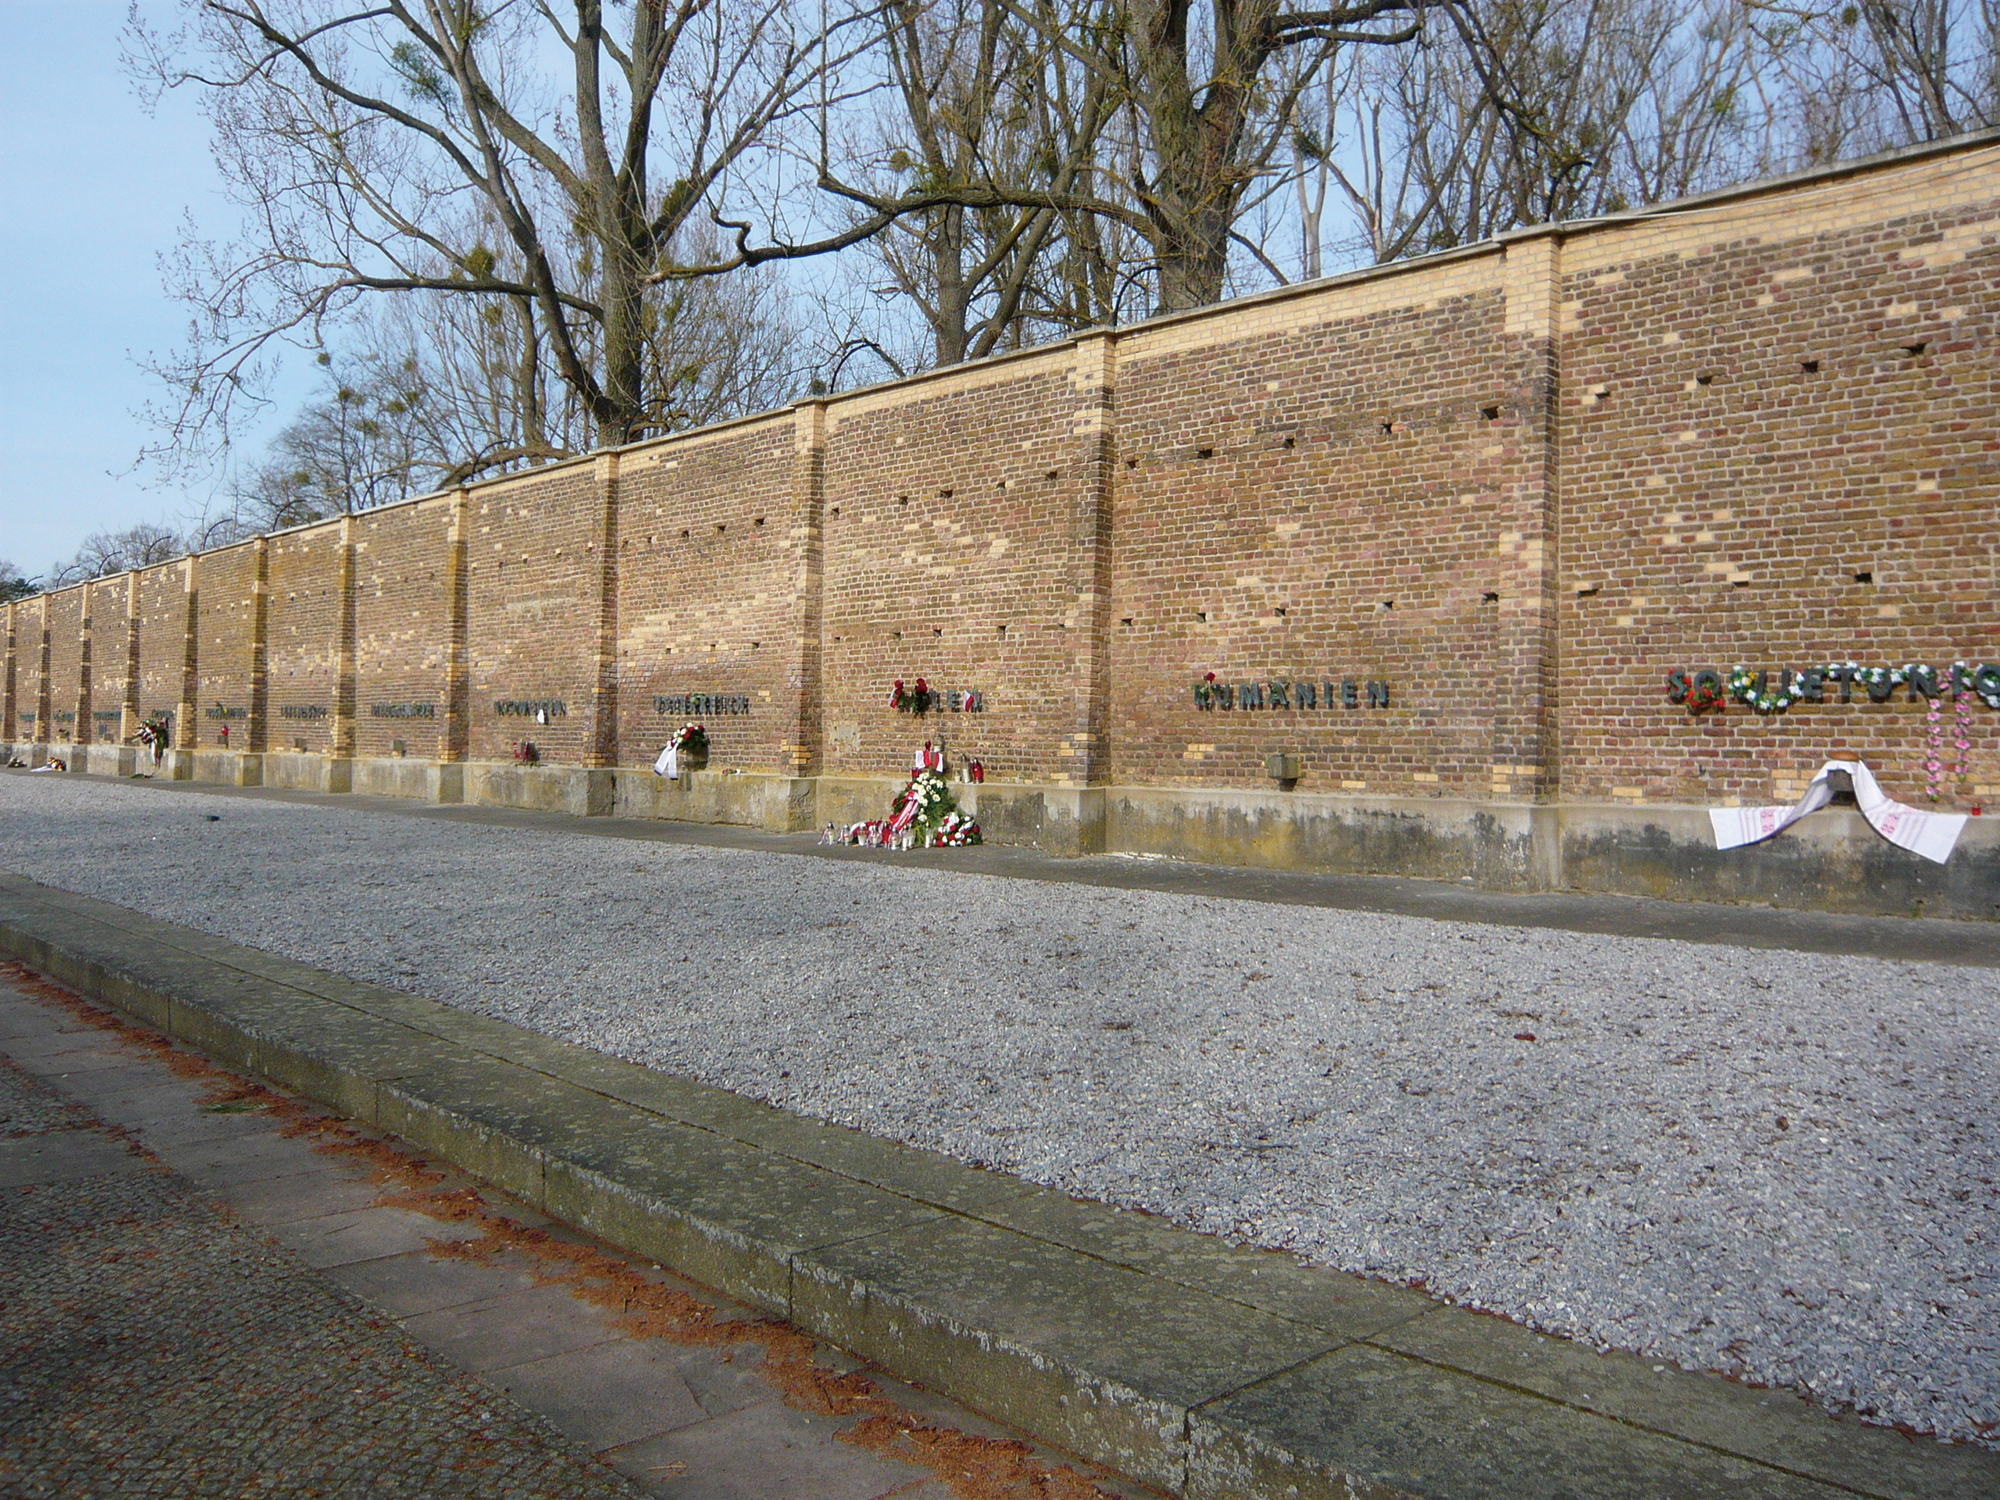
154	1349
209	1289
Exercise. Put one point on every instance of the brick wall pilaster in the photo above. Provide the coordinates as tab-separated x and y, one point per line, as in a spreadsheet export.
83	729
455	733
1526	749
601	733
184	713
341	741
1084	755
128	700
805	728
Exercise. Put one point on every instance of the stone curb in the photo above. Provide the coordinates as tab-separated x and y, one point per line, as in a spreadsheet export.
1165	1355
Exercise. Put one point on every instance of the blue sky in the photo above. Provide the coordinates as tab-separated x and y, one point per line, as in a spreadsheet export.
94	191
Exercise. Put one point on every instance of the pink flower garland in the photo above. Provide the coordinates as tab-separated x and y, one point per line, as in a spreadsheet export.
1934	763
1964	737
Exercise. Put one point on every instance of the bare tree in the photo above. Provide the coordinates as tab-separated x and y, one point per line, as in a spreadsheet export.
983	95
14	584
436	147
1535	111
1216	110
1866	75
104	553
435	391
1202	89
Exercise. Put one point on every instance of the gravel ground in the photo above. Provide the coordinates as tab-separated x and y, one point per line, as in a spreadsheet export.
1781	1165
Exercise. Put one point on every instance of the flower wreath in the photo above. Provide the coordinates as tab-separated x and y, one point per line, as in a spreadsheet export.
1743	688
691	739
1982	682
1701	693
958	830
916	699
1880	681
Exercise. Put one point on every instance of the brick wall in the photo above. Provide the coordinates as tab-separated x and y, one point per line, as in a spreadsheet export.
1778	452
951	556
110	657
1328	501
402	628
225	581
1515	486
302	643
65	661
531	599
162	638
710	544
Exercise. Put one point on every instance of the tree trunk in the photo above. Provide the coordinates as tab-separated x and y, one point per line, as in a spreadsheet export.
952	310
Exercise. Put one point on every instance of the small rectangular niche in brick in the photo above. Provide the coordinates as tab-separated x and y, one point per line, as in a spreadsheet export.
1490	413
1864	575
1204	453
1809	367
1916	347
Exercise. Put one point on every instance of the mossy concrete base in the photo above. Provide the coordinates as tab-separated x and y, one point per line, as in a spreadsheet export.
749	799
417	780
303	771
1831	861
533	788
224	768
1203	1369
1500	845
110	760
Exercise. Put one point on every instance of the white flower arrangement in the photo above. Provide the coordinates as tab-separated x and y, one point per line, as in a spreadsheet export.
1743	688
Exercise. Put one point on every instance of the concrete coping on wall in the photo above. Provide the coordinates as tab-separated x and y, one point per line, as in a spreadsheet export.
1200	1368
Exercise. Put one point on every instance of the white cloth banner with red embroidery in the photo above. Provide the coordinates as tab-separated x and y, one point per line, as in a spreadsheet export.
1929	834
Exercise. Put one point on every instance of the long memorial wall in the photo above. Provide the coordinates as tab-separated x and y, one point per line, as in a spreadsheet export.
1502	565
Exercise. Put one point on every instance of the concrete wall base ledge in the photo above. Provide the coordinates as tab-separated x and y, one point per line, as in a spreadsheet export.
1831	861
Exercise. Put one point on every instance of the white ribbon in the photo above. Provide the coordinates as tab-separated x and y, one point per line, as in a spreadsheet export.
669	763
1929	834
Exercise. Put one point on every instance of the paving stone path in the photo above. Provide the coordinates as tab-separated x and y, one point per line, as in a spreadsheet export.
155	1349
195	1301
